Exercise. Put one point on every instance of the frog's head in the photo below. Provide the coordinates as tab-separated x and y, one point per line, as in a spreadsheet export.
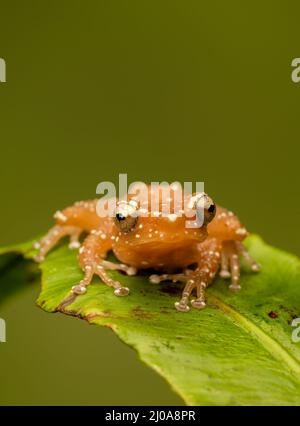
148	229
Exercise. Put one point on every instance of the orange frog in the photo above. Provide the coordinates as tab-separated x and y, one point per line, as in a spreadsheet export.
142	238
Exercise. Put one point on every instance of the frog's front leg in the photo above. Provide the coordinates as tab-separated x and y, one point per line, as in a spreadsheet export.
53	236
92	261
230	262
71	221
208	265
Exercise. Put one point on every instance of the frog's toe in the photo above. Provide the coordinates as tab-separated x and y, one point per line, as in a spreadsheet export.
131	270
79	289
255	267
39	258
224	273
182	307
198	304
154	279
73	245
235	288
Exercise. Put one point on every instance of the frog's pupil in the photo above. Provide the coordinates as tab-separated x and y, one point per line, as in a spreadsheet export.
211	208
120	217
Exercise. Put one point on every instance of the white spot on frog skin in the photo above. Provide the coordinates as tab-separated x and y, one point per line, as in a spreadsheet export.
150	235
156	232
112	237
133	203
161	235
137	235
141	226
241	231
172	217
103	236
88	267
81	250
156	214
117	239
60	216
36	245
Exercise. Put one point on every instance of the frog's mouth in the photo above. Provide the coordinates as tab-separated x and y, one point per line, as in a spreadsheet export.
171	241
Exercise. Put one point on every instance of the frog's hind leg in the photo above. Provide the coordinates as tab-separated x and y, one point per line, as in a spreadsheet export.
234	268
230	265
92	262
247	257
52	238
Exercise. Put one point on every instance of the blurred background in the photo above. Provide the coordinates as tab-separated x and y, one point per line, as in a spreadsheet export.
172	90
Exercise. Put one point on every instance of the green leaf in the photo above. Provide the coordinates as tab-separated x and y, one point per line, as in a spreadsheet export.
237	351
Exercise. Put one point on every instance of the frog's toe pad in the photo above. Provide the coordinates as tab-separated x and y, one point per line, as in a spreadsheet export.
235	287
121	291
198	304
181	307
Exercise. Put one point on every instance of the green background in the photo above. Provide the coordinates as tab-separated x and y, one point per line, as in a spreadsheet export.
161	90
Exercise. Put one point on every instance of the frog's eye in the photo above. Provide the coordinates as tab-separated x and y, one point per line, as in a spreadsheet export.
125	217
206	209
